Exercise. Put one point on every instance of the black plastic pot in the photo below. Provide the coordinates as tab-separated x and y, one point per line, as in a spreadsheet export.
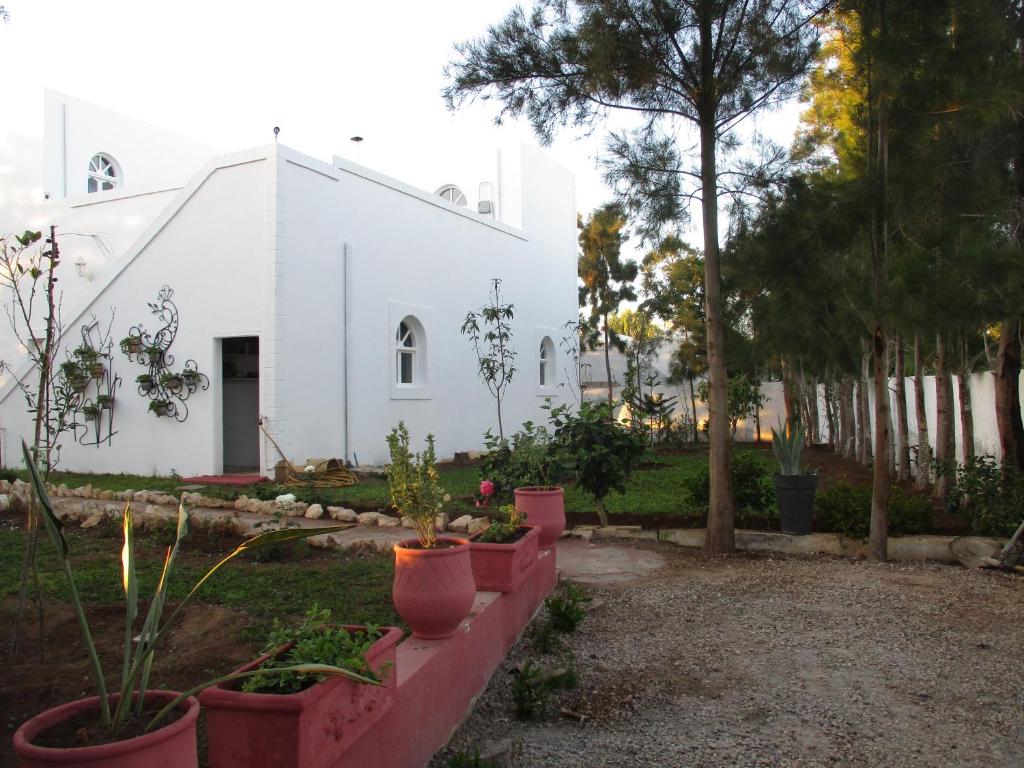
795	494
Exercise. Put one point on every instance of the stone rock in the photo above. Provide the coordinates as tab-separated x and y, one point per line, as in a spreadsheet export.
105	495
141	496
96	518
386	521
461	524
211	503
5	502
408	523
478	524
85	492
4	486
342	514
368	518
315	512
441	521
240	503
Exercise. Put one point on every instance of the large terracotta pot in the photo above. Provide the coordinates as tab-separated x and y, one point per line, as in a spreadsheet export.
544	507
503	567
434	588
172	746
310	728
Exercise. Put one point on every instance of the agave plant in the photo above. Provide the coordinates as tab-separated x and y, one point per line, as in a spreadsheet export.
138	663
787	443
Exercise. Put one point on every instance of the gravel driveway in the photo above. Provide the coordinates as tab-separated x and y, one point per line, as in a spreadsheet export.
767	661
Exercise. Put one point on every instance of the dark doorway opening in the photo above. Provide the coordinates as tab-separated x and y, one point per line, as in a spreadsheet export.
241	405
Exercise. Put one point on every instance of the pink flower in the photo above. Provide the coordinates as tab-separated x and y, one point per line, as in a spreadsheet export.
486	488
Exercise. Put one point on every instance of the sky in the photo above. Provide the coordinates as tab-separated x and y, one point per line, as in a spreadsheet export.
226	72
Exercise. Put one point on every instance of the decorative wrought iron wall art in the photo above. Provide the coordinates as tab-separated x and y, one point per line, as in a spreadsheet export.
166	389
88	382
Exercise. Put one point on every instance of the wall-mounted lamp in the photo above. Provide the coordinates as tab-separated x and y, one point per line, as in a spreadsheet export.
82	268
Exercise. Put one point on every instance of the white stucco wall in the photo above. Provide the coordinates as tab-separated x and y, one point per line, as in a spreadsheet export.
149	157
206	245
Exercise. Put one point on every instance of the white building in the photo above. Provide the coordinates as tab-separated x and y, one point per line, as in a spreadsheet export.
319	296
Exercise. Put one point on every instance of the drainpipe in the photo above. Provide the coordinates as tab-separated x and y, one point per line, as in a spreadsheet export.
64	149
346	298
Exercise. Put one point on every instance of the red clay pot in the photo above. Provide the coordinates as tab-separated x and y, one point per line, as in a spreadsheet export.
310	728
173	746
544	507
434	588
503	567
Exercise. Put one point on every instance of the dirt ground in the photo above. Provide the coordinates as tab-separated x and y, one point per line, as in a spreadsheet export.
756	660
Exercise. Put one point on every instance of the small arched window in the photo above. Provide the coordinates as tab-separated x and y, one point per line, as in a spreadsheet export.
546	358
452	194
104	173
405	353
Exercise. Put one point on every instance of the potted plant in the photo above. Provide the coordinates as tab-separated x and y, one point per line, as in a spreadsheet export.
105	402
71	371
301	719
146	382
529	466
171	381
131	345
433	588
793	489
190	377
87	356
153	352
160	407
602	453
97	370
503	554
133	727
90	411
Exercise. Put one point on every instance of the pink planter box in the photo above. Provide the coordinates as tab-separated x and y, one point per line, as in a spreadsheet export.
503	567
311	728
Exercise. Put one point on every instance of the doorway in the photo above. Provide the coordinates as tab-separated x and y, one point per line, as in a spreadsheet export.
240	372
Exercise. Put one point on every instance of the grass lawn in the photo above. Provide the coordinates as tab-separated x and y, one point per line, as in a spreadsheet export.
660	488
355	586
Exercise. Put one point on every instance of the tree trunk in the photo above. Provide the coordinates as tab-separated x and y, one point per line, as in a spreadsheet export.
721	532
902	422
693	405
850	420
963	385
813	428
1007	386
608	362
924	447
830	418
945	445
881	479
863	412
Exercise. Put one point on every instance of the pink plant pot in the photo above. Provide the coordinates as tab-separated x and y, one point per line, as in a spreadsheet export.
311	728
172	746
544	507
503	567
434	588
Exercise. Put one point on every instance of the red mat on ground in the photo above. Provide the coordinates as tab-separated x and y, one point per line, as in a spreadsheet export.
224	479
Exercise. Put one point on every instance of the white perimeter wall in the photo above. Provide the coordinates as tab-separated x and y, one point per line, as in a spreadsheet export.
208	245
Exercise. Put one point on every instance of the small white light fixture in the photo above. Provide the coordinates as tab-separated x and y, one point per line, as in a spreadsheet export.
82	268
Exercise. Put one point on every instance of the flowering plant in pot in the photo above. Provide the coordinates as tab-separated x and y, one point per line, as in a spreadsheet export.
503	553
529	466
794	489
295	718
131	345
133	726
433	588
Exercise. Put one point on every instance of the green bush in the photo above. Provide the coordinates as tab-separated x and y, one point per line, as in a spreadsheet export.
533	686
846	509
566	613
529	458
9	475
752	487
991	500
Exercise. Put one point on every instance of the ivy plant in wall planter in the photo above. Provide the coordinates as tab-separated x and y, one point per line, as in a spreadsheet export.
166	388
105	402
90	411
161	407
131	345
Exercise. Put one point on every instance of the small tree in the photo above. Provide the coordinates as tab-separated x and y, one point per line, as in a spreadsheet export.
744	398
601	453
495	354
415	490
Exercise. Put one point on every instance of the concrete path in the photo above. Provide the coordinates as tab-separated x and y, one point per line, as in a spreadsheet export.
581	562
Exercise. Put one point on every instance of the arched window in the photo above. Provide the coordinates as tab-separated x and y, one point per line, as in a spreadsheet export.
405	353
546	358
103	173
452	194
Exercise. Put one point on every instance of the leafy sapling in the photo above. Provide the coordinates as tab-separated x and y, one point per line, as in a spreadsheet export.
490	332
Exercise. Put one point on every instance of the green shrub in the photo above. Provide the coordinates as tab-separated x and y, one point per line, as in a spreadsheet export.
991	500
530	457
9	475
846	509
533	686
566	613
314	642
752	487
